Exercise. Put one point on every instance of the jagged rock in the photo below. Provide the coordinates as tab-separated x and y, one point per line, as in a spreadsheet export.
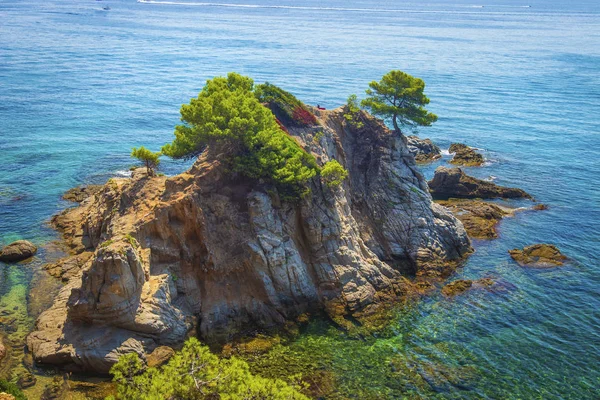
68	267
478	217
159	356
538	256
6	396
227	256
453	182
540	207
18	251
80	193
424	150
465	155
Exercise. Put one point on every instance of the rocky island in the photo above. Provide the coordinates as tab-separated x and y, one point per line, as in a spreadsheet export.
155	259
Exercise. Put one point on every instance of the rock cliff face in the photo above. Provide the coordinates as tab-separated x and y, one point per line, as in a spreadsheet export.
224	255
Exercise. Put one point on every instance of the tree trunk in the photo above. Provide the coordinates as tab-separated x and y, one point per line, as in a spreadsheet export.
396	127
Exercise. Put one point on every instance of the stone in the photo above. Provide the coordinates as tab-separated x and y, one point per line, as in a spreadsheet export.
454	183
462	285
424	150
478	217
80	193
161	355
201	250
6	396
538	256
465	155
18	251
26	379
540	207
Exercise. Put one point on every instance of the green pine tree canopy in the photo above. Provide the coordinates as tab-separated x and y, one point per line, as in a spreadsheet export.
399	97
196	373
227	113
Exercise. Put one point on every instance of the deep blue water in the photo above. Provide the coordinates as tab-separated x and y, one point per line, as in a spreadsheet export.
79	86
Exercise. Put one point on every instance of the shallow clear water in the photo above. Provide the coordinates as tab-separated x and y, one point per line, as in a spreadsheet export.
79	86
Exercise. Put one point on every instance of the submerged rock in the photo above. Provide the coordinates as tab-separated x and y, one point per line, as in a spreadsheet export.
453	182
538	256
18	251
227	256
465	155
80	193
462	285
424	150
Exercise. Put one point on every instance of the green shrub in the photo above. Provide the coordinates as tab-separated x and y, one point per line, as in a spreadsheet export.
333	173
196	373
149	158
12	389
227	113
106	243
132	241
285	105
352	114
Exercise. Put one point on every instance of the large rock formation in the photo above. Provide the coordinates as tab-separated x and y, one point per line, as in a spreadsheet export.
226	255
538	256
453	182
18	251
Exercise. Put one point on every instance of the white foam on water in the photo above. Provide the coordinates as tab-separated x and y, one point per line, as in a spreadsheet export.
123	173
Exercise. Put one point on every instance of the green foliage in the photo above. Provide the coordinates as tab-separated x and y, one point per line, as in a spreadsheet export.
132	241
285	105
352	115
12	389
227	113
318	136
106	243
399	97
149	158
333	173
196	373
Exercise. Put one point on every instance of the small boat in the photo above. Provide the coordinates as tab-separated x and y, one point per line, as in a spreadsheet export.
106	8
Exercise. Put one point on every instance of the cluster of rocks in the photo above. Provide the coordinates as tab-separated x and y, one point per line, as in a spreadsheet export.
80	193
465	155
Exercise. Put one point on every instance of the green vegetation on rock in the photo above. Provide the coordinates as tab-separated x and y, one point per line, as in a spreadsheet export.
229	116
286	107
399	97
149	158
12	389
352	114
196	373
333	173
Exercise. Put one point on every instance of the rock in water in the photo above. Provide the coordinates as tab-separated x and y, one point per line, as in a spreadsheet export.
18	251
424	150
538	256
80	193
478	217
453	182
226	256
465	155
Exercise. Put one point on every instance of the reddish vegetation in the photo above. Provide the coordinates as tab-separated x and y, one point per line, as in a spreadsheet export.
303	116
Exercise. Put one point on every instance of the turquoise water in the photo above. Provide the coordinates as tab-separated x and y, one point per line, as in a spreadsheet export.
79	86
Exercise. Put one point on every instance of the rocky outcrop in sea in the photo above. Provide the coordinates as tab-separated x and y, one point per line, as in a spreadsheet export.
155	258
424	150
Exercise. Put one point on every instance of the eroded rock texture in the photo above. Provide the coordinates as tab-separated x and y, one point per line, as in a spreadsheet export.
225	255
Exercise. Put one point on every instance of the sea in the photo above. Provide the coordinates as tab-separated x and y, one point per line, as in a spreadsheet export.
84	81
